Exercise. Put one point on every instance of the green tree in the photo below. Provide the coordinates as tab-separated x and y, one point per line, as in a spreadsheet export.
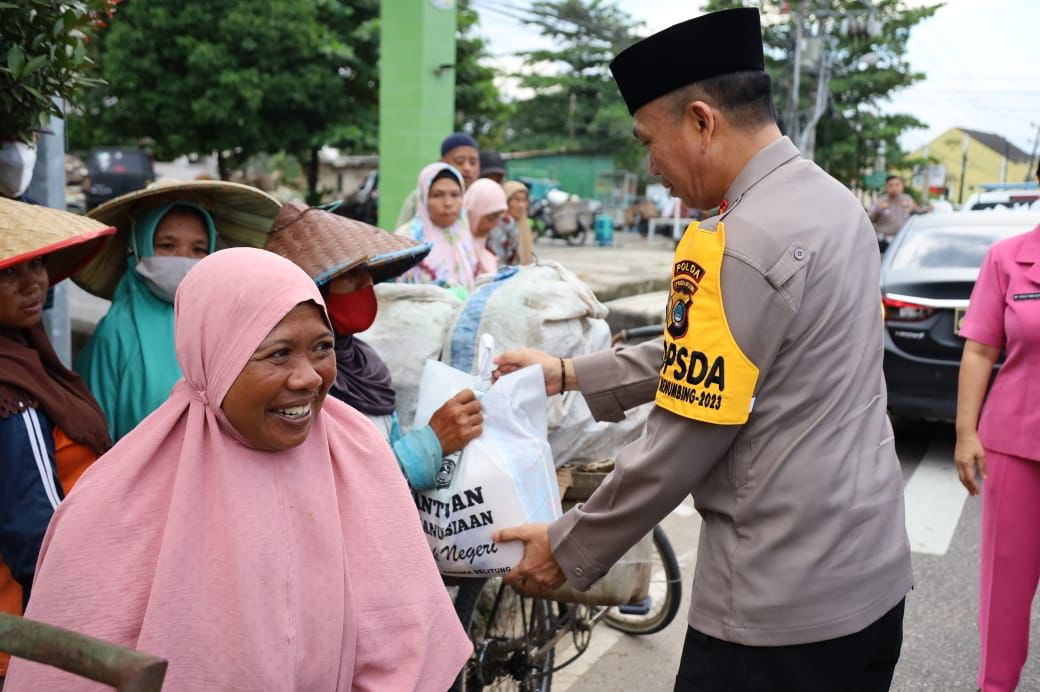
351	120
576	104
865	71
479	107
237	77
43	55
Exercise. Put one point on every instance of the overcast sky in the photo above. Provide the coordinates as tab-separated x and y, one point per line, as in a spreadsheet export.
978	55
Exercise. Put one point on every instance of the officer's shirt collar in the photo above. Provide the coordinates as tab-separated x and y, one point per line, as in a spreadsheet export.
767	160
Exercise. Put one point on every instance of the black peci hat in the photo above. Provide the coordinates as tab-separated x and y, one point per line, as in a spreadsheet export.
491	162
708	46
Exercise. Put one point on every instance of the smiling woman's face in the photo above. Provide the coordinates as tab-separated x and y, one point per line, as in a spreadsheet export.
279	393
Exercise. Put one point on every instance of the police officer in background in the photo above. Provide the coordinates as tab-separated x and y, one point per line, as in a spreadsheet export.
771	403
890	211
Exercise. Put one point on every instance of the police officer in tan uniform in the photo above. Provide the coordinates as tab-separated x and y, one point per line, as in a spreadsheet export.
770	398
890	211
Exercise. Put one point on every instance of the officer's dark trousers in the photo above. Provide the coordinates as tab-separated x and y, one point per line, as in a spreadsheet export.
860	662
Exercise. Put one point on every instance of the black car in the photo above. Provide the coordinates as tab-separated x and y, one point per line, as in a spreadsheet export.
115	171
927	275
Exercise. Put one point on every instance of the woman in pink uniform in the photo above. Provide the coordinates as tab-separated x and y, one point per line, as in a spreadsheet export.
1003	448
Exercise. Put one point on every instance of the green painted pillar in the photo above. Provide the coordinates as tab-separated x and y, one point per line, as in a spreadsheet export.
416	94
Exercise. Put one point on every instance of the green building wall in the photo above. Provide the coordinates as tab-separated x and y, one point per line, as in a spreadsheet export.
575	173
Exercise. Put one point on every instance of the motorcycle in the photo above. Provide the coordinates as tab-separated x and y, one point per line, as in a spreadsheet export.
560	215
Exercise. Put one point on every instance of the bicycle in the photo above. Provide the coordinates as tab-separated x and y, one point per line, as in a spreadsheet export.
515	636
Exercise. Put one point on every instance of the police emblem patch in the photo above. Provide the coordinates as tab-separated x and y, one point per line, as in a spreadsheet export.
678	312
686	276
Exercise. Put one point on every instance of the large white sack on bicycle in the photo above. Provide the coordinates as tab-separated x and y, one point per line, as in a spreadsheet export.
411	325
544	306
504	478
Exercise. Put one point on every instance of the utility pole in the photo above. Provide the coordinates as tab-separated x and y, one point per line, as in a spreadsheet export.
48	187
1003	161
1031	168
807	137
964	167
793	130
572	111
852	23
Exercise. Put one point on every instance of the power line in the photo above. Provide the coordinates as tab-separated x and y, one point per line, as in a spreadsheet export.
494	9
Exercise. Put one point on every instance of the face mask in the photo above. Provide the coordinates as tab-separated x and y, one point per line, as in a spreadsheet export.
354	312
164	274
17	160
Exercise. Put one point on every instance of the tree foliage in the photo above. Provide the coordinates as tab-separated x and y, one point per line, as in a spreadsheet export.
479	107
866	71
237	77
43	55
240	77
575	102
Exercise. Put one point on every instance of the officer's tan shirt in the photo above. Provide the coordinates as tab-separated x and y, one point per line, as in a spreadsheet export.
889	215
803	537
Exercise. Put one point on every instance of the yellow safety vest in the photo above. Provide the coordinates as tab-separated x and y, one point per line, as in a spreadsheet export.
704	374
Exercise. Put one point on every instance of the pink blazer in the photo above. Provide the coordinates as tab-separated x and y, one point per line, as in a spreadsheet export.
1005	311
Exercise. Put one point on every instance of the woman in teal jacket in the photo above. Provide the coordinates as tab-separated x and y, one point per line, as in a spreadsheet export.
129	363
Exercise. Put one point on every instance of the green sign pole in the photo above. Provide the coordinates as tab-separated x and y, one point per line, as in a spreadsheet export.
416	94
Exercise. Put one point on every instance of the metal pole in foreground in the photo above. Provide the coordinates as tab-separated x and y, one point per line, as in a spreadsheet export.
48	188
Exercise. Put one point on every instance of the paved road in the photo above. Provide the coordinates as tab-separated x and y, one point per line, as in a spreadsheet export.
632	266
940	644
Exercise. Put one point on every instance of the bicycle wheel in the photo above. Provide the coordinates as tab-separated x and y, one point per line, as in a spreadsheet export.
665	593
507	631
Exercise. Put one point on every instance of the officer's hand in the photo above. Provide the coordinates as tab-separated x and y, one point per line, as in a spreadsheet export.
538	572
970	458
511	361
458	421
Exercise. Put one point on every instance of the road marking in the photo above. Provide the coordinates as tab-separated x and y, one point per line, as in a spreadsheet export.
934	500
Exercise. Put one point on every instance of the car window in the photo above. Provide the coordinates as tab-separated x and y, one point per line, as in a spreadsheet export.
122	162
1022	202
960	246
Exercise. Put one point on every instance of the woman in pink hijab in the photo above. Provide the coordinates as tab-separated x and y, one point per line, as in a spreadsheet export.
253	532
453	261
485	202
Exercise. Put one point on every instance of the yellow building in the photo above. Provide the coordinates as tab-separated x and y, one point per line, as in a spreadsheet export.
980	157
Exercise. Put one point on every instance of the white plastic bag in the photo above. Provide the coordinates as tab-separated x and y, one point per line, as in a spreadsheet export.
504	478
546	307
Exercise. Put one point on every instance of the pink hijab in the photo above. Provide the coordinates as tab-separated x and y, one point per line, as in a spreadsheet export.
484	197
453	261
248	570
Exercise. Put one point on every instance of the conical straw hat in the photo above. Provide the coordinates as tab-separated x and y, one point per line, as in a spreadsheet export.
326	245
28	231
241	214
